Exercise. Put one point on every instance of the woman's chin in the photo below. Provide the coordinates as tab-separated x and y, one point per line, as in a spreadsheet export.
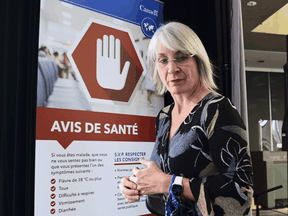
177	90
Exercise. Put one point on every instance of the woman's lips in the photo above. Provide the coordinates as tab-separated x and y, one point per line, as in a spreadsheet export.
176	80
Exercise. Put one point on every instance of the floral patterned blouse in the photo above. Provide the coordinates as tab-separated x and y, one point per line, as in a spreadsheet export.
209	148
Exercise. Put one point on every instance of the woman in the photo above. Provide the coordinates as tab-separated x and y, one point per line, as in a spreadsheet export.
200	163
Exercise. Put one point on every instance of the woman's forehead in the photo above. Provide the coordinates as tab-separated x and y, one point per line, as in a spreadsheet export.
162	50
165	47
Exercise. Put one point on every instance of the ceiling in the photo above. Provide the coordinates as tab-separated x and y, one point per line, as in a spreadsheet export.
263	51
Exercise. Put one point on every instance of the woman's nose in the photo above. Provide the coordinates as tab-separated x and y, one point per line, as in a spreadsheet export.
172	67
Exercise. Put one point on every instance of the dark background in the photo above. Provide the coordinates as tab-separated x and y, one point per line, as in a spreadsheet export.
258	101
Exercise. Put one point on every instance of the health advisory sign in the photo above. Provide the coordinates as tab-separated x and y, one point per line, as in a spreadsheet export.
96	105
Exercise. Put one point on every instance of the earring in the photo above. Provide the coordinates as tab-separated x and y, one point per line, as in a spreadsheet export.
168	70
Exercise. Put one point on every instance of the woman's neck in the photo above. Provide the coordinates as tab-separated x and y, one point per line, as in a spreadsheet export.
186	102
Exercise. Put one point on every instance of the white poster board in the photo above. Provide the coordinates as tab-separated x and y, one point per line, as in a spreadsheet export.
96	104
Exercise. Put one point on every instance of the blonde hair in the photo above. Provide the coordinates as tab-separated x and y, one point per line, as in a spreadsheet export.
179	37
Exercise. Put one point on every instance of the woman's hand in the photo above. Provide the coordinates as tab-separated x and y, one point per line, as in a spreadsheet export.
129	189
151	180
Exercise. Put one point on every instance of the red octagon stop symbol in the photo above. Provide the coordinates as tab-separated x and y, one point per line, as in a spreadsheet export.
101	77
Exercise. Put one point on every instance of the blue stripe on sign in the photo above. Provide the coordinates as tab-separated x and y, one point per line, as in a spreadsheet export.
133	11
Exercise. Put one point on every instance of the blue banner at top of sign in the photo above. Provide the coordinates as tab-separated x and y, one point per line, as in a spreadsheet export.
146	13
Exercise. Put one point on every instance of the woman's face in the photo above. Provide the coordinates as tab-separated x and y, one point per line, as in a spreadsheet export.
180	78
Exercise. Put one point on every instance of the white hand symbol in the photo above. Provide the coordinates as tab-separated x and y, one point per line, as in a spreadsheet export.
109	74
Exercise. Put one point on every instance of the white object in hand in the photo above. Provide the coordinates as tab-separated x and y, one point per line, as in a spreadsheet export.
109	74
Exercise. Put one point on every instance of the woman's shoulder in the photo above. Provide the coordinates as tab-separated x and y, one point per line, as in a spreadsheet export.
216	99
225	110
165	112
